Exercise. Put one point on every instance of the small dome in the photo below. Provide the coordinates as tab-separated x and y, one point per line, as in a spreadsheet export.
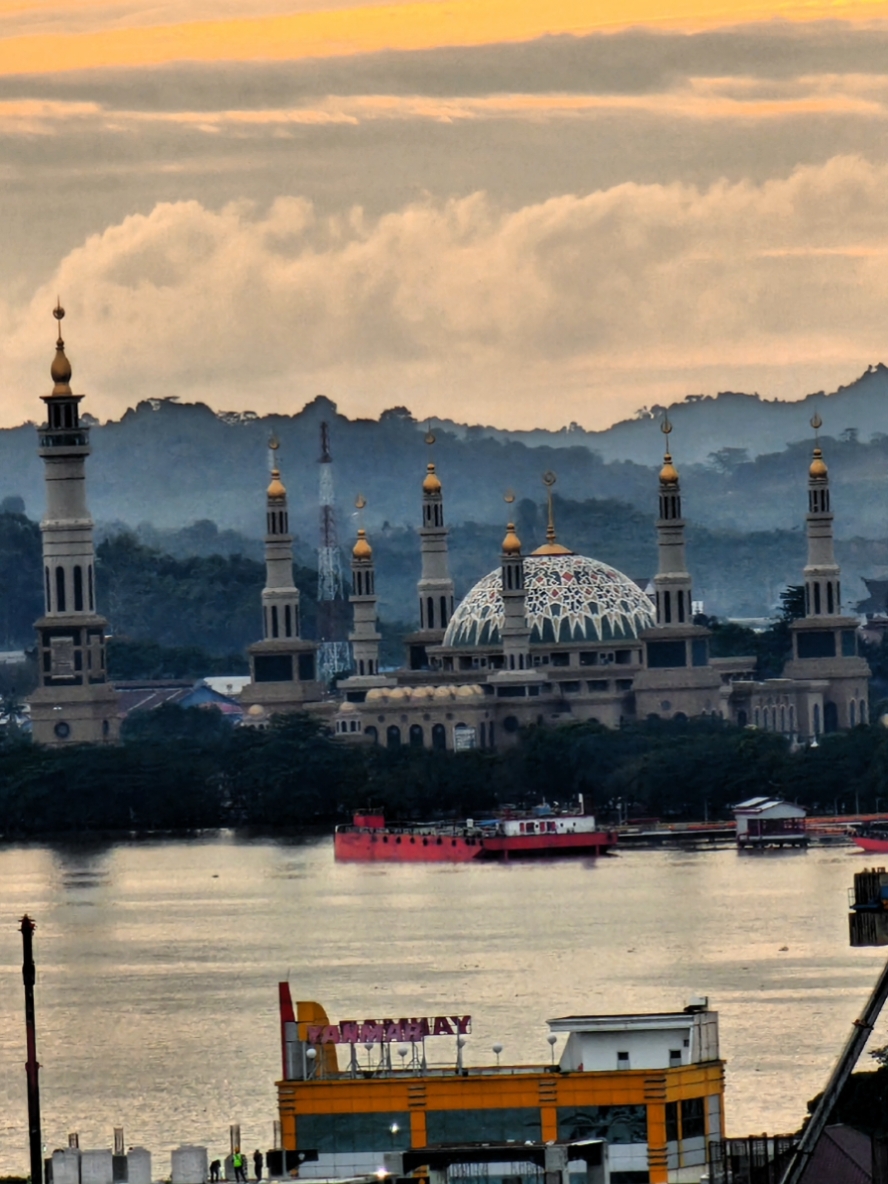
276	488
668	473
362	549
443	692
347	708
423	693
467	692
397	693
60	371
256	709
818	470
431	484
511	543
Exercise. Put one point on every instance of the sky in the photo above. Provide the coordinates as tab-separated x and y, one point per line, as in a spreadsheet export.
499	211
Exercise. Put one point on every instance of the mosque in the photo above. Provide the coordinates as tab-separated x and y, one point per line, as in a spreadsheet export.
545	638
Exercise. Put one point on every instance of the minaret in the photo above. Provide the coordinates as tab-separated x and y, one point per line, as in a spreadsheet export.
280	596
516	635
822	576
75	703
364	636
832	680
435	586
672	581
283	667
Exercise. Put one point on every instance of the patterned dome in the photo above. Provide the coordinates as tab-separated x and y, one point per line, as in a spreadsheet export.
569	598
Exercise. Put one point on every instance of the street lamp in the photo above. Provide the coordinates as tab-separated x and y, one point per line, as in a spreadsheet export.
393	1130
553	1040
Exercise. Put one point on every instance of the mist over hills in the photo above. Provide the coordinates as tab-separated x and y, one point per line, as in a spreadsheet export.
192	481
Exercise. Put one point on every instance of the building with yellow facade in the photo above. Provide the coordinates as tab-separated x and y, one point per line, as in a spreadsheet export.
651	1085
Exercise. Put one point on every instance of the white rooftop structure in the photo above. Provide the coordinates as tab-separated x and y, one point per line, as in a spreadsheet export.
661	1040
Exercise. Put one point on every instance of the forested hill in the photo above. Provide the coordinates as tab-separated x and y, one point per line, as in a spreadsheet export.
743	463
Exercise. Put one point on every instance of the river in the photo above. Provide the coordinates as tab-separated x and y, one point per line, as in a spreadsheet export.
158	963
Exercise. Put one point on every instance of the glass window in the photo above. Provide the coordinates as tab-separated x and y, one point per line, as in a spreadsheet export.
617	1124
693	1122
484	1126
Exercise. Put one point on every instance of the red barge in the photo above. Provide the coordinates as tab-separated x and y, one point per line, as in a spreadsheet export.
368	838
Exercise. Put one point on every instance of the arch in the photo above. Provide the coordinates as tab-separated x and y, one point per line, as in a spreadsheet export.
274	620
416	736
830	717
371	733
60	589
393	736
439	737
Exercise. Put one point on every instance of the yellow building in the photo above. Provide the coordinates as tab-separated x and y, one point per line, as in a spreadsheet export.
652	1085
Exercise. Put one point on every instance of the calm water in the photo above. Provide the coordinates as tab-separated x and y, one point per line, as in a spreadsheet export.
158	964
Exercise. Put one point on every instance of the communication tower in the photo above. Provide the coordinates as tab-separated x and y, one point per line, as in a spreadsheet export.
334	651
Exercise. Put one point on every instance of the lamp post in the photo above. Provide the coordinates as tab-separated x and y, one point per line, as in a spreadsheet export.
553	1040
29	975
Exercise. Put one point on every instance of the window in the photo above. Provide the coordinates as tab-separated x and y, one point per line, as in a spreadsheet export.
829	596
849	643
78	588
306	667
813	644
89	574
597	684
560	659
443	611
816	599
273	667
371	733
672	1122
663	654
430	613
48	595
693	1121
699	651
674	1057
622	1060
416	736
60	589
393	736
588	658
274	620
571	688
288	621
439	737
667	608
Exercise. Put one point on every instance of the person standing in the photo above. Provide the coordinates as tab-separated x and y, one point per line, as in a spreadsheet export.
258	1163
215	1169
237	1162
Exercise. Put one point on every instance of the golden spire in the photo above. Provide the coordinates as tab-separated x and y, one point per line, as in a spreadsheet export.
276	488
361	549
511	543
60	371
432	483
818	470
668	473
551	545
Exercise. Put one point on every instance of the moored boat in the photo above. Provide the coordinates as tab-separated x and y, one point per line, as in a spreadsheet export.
876	841
542	835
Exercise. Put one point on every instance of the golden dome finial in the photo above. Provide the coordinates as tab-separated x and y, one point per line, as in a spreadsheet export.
432	483
551	545
276	488
60	370
511	543
817	470
668	473
362	549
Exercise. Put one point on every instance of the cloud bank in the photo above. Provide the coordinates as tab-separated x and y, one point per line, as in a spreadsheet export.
555	311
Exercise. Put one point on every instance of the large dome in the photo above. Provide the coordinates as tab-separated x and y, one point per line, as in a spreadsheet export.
569	598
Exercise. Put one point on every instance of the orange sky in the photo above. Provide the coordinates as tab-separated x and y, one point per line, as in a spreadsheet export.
366	28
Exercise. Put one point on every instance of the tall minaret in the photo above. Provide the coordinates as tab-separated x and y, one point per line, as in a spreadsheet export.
364	636
280	596
435	586
822	575
516	635
75	703
283	667
672	581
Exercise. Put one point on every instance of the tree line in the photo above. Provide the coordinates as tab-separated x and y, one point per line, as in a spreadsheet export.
185	769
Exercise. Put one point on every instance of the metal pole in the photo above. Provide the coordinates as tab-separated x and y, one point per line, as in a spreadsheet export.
854	1046
32	1067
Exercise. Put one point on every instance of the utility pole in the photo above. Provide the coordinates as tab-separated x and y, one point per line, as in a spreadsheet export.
32	1067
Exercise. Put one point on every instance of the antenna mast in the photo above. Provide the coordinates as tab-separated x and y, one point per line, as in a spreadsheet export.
334	652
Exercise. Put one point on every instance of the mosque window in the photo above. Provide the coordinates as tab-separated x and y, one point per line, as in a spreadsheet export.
667	609
560	659
679	597
443	611
371	733
664	654
699	651
306	667
597	684
570	687
807	600
48	596
416	736
829	596
511	724
288	621
849	643
623	684
78	588
360	666
816	644
60	589
430	613
439	737
817	599
274	667
274	620
89	580
590	658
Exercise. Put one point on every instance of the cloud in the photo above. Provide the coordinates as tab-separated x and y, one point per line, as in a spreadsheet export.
578	307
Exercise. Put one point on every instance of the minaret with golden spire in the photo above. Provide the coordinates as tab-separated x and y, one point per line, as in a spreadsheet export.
283	666
822	574
364	636
280	596
672	581
435	586
516	635
75	703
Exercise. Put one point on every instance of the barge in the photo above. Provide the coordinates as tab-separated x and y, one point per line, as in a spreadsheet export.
368	838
